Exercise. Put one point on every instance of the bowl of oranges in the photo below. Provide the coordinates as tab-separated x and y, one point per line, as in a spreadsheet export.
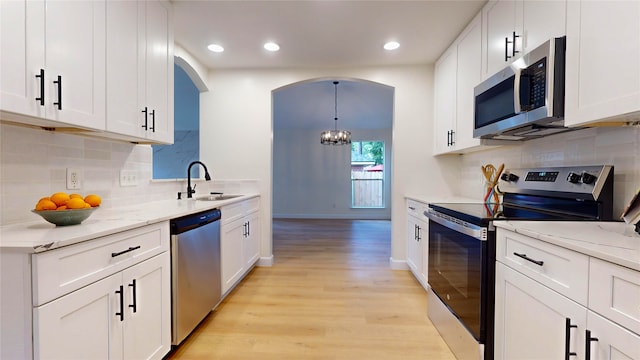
64	209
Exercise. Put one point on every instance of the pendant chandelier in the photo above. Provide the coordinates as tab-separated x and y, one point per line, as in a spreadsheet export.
335	136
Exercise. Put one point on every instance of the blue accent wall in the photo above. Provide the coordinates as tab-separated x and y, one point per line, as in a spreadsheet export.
171	161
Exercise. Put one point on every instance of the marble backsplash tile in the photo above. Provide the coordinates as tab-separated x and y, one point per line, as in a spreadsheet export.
33	164
618	146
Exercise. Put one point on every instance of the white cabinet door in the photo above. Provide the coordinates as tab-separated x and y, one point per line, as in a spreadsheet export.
22	49
147	326
603	60
252	240
540	21
499	23
82	324
413	260
531	319
445	101
125	67
159	71
469	73
614	341
140	70
75	55
231	251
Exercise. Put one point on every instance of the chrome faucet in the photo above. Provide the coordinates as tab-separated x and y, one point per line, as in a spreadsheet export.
207	177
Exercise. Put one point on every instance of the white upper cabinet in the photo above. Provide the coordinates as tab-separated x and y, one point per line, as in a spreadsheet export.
53	61
512	28
457	72
603	61
140	70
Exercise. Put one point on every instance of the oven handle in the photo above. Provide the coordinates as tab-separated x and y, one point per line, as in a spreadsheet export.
474	231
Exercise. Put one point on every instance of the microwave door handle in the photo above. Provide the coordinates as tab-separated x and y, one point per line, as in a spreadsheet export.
516	91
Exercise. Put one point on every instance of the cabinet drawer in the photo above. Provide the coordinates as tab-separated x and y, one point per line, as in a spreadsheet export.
416	208
238	210
60	271
560	269
614	292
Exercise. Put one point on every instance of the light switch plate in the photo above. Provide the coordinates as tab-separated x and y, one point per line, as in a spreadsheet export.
74	178
128	178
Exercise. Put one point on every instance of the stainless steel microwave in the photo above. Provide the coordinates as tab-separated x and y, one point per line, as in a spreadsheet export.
526	99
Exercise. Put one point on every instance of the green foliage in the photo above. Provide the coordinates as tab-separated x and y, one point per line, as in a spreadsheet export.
368	151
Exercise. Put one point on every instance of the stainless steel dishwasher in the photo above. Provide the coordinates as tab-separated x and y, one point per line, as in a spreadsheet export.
195	270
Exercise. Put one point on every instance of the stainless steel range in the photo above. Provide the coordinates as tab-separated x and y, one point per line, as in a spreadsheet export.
461	271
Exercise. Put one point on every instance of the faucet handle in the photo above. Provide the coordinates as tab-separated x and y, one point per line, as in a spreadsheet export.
193	189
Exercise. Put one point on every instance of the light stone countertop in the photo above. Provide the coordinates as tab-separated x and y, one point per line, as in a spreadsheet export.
39	235
615	242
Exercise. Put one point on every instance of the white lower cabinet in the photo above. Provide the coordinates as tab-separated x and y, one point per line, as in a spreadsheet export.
417	241
531	319
545	311
239	241
104	298
120	317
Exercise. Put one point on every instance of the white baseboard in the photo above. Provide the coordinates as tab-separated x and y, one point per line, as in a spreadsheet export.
265	261
398	264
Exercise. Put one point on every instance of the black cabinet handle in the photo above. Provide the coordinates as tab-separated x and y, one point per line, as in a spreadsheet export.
588	340
412	208
133	285
567	339
513	46
41	77
419	233
153	120
449	137
145	118
244	229
121	313
506	49
132	248
524	256
248	228
453	139
59	83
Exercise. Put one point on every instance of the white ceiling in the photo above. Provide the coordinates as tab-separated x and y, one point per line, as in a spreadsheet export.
322	34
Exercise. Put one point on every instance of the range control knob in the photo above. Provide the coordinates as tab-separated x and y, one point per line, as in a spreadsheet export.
588	178
573	178
509	177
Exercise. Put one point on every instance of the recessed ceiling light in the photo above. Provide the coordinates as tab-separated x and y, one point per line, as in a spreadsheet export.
271	46
391	45
215	48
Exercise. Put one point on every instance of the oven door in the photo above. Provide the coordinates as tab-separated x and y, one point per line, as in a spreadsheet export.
458	272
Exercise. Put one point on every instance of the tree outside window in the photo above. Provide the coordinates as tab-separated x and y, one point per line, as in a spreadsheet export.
367	174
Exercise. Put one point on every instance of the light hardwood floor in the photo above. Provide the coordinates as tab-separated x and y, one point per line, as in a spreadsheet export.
329	295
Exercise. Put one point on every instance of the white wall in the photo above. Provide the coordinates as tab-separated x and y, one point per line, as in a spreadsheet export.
313	180
236	128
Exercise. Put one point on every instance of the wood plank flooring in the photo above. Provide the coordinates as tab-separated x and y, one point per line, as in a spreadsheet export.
329	295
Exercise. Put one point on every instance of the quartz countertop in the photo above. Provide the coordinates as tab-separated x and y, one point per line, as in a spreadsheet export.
39	235
616	242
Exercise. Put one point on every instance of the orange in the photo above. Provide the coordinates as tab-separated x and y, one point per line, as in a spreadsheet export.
63	207
45	204
60	198
87	205
44	198
75	196
75	203
93	200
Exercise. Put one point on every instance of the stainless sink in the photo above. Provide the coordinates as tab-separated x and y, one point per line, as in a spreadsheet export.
217	197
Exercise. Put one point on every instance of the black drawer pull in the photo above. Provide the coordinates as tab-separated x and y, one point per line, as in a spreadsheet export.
125	251
524	256
567	339
134	306
59	83
121	313
588	340
41	77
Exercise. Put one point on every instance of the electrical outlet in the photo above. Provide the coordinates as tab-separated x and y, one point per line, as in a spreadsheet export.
128	178
74	178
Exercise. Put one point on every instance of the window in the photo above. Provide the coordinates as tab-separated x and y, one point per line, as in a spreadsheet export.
170	161
367	174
